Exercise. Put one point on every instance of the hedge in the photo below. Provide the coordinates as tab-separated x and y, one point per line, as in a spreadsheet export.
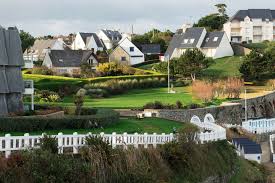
146	63
102	118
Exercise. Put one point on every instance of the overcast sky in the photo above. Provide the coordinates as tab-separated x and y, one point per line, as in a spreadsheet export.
55	17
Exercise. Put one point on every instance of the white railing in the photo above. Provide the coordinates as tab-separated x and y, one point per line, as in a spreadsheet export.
271	139
216	132
259	126
10	143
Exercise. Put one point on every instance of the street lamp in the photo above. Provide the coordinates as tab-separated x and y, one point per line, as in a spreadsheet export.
168	71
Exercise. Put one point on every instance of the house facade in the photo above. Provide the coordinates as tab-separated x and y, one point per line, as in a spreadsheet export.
41	46
69	61
110	38
127	53
252	25
212	44
87	41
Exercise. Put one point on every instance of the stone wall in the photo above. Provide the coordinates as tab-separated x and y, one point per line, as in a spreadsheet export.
233	113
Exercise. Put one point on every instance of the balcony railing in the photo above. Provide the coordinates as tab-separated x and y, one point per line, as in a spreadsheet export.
258	33
29	89
235	34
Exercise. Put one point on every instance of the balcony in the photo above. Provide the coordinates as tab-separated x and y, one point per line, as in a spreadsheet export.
29	89
258	33
235	34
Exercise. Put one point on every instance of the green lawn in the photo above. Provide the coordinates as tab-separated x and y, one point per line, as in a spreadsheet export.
148	66
129	125
224	67
137	98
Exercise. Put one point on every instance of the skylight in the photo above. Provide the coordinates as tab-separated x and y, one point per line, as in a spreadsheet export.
185	41
192	41
215	39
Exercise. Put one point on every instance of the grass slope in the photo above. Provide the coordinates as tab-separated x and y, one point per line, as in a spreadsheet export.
136	98
223	68
129	125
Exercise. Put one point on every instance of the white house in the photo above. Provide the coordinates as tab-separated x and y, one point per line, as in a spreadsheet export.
87	41
41	46
252	25
69	61
212	44
248	149
126	52
110	38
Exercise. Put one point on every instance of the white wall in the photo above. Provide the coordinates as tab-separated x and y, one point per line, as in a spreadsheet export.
126	44
47	61
107	42
92	45
225	49
78	43
253	157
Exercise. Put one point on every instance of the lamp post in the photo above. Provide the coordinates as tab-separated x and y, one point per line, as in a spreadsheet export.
245	103
168	68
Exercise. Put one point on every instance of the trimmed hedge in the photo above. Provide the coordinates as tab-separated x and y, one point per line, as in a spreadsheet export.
146	63
102	118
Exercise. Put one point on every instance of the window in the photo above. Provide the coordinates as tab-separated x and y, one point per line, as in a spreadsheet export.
259	157
185	41
132	49
90	61
215	39
207	39
123	58
192	41
60	60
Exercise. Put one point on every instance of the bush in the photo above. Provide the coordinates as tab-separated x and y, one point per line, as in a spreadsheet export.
42	70
102	118
46	96
158	105
114	87
48	143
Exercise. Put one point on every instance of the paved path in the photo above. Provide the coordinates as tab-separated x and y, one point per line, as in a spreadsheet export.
266	154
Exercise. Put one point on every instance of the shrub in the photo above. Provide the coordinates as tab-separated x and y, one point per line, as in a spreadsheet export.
42	70
46	96
102	118
48	143
203	90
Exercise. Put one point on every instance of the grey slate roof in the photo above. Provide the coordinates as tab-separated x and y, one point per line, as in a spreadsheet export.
254	13
87	36
209	41
69	58
191	33
174	43
252	149
150	48
3	51
3	81
14	79
112	35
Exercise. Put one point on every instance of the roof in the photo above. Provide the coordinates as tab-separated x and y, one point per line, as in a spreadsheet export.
96	38
174	43
41	44
69	58
191	33
150	48
252	149
111	34
212	39
85	36
255	14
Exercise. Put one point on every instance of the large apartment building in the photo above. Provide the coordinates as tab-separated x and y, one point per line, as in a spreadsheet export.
252	25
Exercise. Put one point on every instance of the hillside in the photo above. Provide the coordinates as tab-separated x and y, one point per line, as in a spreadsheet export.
224	67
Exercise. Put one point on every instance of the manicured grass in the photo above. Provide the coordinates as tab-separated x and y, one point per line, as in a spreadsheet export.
148	66
129	125
223	68
137	98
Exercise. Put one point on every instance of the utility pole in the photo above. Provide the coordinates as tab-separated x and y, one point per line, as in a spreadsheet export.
245	103
168	68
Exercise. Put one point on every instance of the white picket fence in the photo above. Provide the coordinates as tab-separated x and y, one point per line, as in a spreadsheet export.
216	132
10	143
259	126
271	139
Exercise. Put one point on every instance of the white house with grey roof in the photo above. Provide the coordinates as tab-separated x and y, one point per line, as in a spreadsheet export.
110	38
69	61
252	25
87	41
127	53
212	44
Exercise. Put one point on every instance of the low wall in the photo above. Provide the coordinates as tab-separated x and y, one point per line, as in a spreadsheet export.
233	113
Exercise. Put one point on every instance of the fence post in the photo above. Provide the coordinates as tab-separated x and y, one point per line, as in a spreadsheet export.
171	137
114	140
75	143
124	138
60	143
154	140
136	140
162	138
26	140
145	138
7	145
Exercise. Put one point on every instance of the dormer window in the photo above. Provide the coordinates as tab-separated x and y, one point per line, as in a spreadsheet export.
60	60
185	41
215	39
207	39
132	49
192	41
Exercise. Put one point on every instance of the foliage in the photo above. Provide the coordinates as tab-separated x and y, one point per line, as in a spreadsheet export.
87	70
214	21
203	90
114	87
114	69
46	96
102	118
191	63
48	143
43	70
79	100
233	87
27	40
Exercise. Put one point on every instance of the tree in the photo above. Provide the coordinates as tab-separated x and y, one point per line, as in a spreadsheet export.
203	90
79	100
214	21
87	70
27	40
